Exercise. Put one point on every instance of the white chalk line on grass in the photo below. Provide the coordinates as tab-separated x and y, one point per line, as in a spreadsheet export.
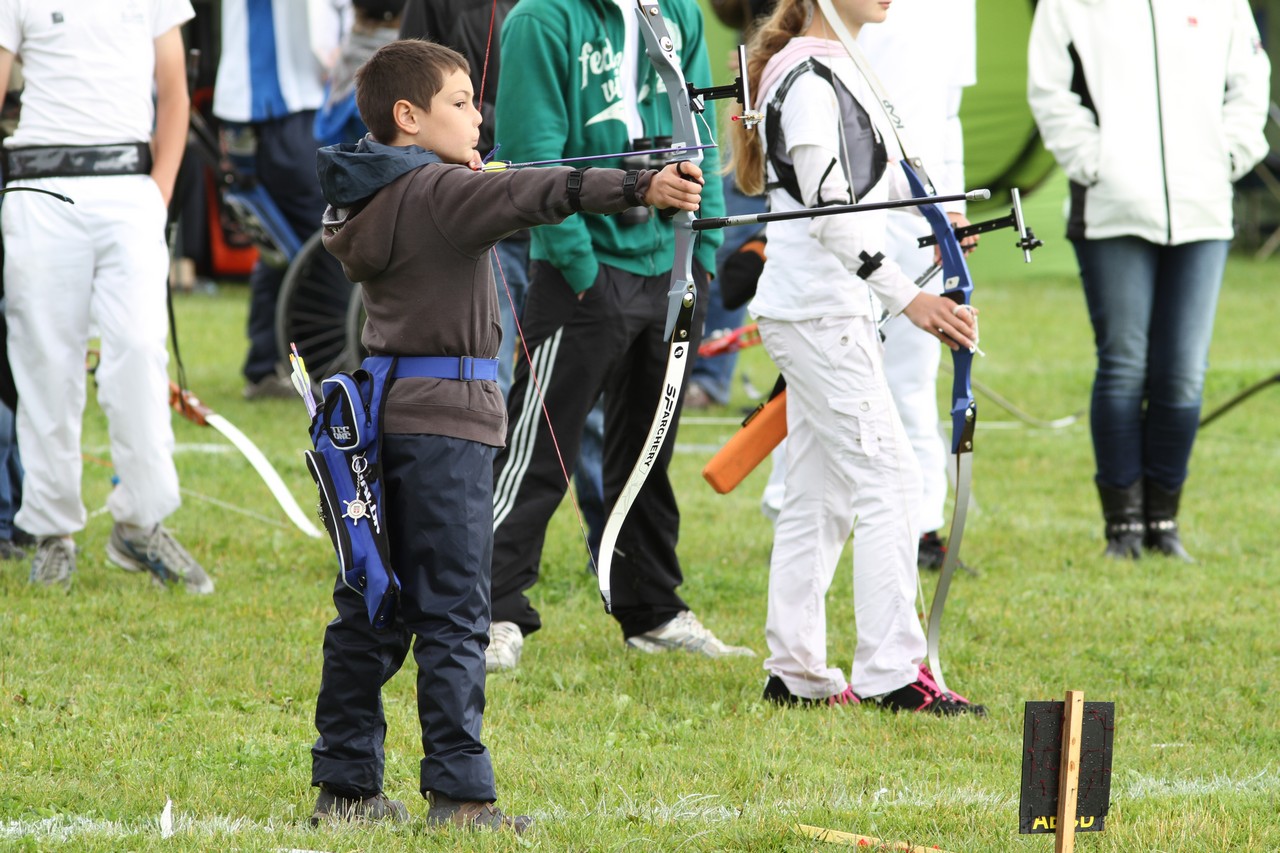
706	808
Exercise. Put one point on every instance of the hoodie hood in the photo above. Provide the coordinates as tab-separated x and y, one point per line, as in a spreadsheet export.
352	173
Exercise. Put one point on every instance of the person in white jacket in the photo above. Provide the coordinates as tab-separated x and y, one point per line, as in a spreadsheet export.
824	140
1152	110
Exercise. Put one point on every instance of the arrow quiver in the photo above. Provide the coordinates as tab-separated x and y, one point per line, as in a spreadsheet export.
761	432
347	467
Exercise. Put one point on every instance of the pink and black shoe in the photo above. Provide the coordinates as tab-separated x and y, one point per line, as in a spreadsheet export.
924	696
926	675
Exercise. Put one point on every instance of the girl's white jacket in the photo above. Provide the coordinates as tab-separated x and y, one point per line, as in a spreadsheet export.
1152	109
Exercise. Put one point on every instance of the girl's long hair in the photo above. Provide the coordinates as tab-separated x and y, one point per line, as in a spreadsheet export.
789	19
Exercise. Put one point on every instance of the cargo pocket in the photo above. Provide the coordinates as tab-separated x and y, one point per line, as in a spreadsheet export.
859	427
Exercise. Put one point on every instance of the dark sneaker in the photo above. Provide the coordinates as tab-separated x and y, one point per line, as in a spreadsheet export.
1162	537
54	561
471	814
696	398
136	549
923	696
23	539
333	806
776	691
273	386
10	550
1124	540
933	553
926	676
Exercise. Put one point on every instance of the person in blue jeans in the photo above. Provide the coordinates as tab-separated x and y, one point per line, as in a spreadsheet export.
1152	115
269	86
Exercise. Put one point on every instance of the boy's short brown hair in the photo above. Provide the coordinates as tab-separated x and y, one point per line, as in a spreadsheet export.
410	70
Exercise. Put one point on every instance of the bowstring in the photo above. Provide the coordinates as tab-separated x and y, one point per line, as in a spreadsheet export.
546	413
524	344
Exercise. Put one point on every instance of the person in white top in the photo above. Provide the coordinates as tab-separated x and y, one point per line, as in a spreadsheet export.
822	142
1152	110
92	130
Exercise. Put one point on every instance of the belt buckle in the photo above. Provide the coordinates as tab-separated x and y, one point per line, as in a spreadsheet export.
466	368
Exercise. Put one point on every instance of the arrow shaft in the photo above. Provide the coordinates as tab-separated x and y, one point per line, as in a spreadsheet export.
809	213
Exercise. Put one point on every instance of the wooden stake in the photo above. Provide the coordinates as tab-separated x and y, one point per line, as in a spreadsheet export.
1069	778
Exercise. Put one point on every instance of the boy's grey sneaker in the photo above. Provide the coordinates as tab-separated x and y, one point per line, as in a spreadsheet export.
685	633
333	806
506	640
137	549
54	561
466	814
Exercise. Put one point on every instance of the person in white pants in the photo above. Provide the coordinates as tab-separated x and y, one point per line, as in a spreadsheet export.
925	55
825	140
90	130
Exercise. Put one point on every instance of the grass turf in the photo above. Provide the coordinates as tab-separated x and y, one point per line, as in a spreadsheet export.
119	695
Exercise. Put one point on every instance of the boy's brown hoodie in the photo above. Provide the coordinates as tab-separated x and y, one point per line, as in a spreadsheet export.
415	233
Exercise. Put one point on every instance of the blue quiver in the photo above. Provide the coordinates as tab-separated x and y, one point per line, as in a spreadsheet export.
347	467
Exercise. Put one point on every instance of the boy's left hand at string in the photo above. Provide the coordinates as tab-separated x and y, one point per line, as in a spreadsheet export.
678	185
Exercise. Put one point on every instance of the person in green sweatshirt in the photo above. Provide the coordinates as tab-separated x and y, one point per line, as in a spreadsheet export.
575	81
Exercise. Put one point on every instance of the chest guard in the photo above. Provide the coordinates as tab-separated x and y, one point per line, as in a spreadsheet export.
866	157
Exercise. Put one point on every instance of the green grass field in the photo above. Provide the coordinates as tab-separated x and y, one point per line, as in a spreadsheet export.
119	694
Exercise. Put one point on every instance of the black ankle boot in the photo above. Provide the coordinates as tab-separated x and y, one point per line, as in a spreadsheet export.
1122	510
1161	509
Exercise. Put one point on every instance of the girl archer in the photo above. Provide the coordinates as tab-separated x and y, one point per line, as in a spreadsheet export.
849	461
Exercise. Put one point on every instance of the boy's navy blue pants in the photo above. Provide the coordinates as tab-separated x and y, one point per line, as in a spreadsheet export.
438	494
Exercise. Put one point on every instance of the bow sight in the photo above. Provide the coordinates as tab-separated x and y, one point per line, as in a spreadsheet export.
1027	240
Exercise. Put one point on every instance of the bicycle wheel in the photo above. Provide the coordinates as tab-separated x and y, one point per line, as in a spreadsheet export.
319	311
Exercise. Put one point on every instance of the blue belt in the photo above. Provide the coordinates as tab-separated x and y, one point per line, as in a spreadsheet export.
464	368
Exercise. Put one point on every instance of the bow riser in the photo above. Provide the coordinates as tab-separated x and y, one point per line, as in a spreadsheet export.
958	287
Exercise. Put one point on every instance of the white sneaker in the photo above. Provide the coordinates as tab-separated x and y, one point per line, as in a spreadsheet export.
505	642
685	633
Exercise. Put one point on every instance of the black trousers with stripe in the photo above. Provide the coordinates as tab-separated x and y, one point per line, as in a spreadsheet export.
608	342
